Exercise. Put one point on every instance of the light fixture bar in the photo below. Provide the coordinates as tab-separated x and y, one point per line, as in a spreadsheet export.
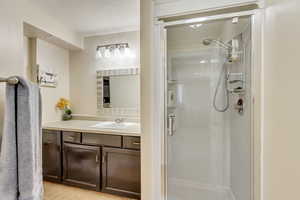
118	50
117	45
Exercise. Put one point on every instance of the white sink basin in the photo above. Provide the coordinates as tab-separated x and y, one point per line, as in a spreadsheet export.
114	125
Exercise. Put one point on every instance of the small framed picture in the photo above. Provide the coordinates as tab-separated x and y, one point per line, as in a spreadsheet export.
47	79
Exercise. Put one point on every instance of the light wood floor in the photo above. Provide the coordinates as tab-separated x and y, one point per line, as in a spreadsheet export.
55	191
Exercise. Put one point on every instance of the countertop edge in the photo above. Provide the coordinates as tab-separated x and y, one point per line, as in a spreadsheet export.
106	132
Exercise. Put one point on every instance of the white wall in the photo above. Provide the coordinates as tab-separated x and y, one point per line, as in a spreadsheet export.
281	142
84	66
55	60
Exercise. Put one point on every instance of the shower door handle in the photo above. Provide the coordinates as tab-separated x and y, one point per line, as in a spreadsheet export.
171	124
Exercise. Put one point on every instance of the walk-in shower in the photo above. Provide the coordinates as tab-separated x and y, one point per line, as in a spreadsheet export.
208	110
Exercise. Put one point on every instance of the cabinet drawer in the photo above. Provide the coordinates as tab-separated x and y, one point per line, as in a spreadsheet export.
50	136
73	137
102	140
131	142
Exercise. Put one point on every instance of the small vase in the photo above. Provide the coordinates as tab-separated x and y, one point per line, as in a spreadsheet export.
67	114
66	117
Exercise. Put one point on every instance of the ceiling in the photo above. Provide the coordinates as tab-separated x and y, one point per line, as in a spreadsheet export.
93	17
184	36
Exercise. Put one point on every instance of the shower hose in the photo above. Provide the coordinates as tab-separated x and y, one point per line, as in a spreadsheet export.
226	106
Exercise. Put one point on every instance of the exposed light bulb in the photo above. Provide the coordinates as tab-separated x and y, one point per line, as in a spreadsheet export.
99	54
114	50
122	51
107	53
118	53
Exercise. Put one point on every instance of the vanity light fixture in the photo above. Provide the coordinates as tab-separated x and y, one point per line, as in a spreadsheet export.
119	50
195	26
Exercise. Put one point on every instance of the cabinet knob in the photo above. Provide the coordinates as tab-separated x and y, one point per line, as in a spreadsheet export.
136	143
71	137
103	159
97	158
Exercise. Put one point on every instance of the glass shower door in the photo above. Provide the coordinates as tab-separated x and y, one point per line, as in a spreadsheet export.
203	146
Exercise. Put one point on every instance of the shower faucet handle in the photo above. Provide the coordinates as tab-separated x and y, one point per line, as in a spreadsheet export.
236	81
171	124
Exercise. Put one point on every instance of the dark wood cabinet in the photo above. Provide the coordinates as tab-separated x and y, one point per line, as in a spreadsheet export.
100	162
121	172
52	155
81	166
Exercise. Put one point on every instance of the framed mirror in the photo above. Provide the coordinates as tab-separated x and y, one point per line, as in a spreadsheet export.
118	90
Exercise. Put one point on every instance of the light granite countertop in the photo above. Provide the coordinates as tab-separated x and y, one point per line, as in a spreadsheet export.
86	126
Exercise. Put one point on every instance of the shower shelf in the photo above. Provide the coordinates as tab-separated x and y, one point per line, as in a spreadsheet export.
172	81
238	91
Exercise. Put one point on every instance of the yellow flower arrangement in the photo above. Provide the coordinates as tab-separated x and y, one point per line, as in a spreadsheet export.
63	104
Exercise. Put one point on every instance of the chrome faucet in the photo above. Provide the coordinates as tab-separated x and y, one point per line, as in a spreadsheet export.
119	120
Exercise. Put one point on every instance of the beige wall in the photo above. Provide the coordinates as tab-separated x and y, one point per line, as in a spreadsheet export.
12	15
84	65
11	44
281	142
34	15
147	99
55	60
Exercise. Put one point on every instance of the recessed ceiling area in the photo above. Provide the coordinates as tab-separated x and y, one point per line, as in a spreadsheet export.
93	17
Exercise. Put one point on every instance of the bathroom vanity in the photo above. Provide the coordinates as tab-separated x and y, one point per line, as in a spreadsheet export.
79	153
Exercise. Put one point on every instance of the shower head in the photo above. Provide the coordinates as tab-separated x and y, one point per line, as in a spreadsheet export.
208	42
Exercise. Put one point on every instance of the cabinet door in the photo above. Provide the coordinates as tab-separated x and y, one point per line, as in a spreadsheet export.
81	166
52	170
121	172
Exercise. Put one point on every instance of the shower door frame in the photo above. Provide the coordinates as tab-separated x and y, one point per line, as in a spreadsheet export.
160	118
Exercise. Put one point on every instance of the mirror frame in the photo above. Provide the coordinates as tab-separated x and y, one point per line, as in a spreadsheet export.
114	72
